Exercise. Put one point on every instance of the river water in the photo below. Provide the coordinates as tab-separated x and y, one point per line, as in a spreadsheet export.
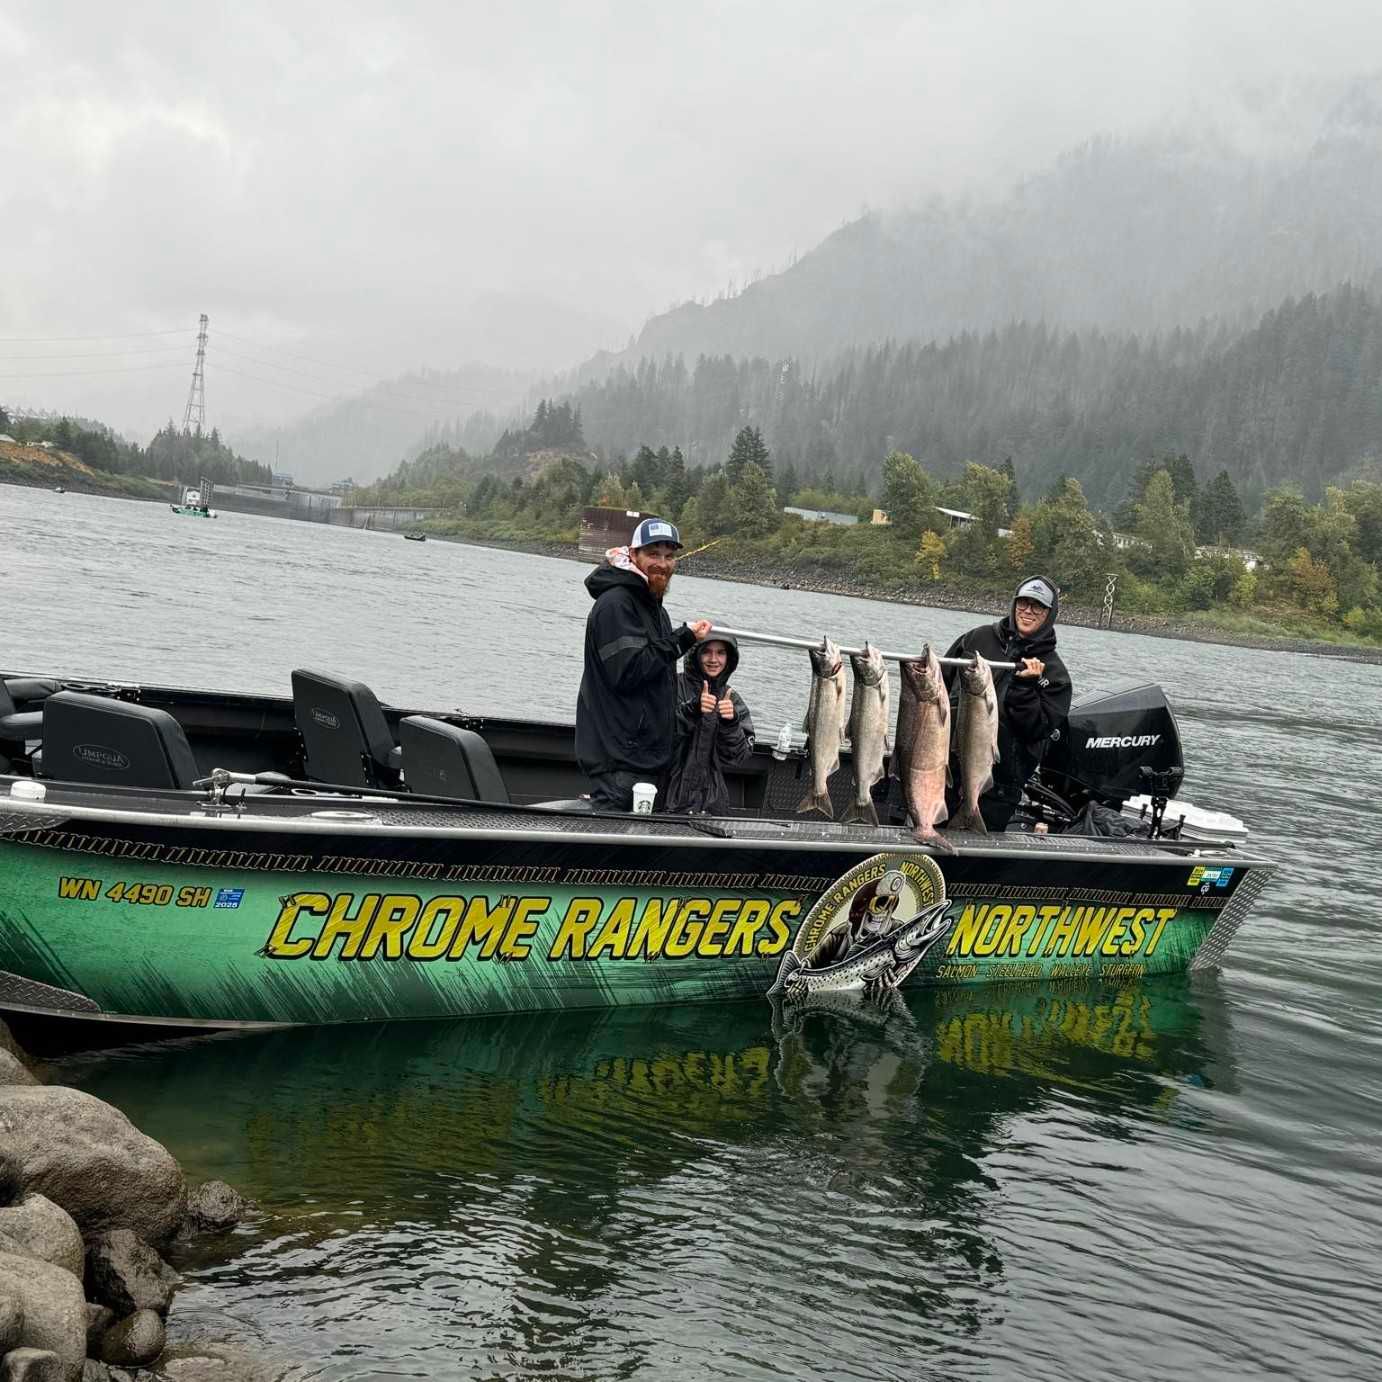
1175	1179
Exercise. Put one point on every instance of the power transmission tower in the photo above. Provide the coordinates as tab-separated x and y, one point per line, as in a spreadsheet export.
194	415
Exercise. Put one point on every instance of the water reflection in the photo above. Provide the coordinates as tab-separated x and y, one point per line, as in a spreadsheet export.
604	1192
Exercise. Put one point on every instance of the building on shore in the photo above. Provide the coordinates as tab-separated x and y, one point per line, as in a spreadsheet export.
603	528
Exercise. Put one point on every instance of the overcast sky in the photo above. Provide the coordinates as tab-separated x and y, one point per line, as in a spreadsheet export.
388	185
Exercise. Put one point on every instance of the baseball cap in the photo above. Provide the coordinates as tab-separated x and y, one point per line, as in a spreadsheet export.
1036	589
652	530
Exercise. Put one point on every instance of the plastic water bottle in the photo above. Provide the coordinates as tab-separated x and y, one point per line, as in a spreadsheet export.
784	743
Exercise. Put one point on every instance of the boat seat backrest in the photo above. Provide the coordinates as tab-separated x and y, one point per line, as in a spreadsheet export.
114	743
443	760
344	731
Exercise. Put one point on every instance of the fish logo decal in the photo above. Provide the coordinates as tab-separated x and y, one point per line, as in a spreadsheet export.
869	931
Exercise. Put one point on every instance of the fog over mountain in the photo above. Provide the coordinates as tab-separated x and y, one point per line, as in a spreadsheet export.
1119	234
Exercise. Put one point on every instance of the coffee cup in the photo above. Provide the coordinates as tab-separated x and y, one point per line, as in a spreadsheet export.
643	794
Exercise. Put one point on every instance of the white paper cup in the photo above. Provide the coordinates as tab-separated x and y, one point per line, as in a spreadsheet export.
643	794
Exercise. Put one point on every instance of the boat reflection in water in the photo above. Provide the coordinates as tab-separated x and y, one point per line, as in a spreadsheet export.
601	1191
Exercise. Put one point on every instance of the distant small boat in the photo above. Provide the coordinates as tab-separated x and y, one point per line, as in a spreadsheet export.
192	510
415	537
58	489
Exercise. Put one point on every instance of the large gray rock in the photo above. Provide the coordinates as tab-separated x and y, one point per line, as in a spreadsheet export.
44	1231
95	1371
8	1043
90	1159
11	1179
99	1318
32	1365
214	1207
54	1308
125	1273
136	1341
11	1322
14	1071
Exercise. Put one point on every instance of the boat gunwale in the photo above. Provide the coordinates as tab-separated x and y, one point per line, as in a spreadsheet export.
256	819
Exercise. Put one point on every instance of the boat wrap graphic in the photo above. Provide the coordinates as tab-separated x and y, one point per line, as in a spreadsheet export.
298	942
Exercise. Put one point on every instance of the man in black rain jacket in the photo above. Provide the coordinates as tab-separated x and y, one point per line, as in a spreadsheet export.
714	730
627	704
1032	703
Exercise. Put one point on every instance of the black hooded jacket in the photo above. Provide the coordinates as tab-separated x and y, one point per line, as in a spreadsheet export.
733	738
628	690
1030	709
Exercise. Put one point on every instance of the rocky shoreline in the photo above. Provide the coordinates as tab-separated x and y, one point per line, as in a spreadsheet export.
946	597
90	1209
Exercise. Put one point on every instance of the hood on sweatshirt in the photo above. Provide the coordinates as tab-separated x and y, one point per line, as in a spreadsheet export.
693	667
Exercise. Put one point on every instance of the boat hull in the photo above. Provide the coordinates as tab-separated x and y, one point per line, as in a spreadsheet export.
262	918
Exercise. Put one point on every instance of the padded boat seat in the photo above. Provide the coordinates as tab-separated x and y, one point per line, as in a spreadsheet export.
443	760
115	743
27	692
16	726
344	731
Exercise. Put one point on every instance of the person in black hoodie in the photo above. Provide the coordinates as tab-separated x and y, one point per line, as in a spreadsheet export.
1032	703
714	730
627	703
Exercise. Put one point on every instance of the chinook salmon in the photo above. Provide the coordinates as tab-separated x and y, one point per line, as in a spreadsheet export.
921	747
868	731
883	963
825	725
976	733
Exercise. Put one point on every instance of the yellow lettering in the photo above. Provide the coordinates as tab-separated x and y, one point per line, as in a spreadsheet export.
998	919
396	914
1093	929
339	925
524	926
614	934
1063	931
751	916
1113	940
281	946
1164	914
581	914
424	945
482	923
650	935
1010	940
712	942
782	913
686	930
967	930
1048	915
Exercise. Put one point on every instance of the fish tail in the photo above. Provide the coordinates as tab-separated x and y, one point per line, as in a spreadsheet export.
970	818
928	835
817	801
860	813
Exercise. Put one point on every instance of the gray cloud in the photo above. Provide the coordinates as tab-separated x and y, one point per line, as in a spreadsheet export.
386	186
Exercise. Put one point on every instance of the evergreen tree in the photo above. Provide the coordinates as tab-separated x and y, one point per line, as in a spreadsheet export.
715	506
748	449
755	503
1163	525
1218	511
1014	500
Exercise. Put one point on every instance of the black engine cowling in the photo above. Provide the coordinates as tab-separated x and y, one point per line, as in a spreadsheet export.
1115	745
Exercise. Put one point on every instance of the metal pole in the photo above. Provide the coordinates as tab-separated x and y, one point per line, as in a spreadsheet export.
779	640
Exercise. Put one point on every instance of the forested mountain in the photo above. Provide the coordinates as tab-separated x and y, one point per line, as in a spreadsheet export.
364	436
1119	235
1297	398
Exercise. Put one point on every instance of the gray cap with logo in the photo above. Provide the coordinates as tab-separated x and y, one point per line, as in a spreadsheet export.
1036	589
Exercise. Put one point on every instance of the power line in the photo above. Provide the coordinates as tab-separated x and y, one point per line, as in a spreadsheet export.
103	354
116	336
83	373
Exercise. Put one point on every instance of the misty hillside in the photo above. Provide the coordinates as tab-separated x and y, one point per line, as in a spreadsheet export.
1296	398
365	436
1122	235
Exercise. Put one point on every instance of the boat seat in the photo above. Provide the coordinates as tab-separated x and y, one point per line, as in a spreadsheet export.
444	760
344	731
29	692
116	743
17	726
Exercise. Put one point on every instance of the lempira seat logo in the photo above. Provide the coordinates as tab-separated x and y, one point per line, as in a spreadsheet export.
870	931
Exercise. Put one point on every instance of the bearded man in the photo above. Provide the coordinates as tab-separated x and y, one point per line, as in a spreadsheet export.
625	717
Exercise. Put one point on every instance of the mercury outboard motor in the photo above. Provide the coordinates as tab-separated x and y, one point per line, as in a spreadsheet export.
1115	745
